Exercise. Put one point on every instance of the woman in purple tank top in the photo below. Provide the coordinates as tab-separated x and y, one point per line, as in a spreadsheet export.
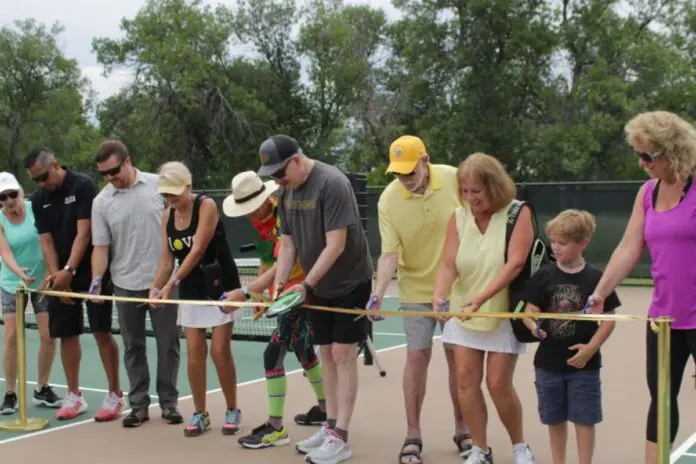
664	219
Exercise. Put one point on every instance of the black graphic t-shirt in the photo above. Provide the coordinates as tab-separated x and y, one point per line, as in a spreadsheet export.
555	291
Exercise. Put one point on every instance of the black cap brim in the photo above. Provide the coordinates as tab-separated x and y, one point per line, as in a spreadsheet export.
270	169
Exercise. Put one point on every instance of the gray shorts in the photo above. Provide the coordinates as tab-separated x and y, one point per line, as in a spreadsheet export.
420	330
9	302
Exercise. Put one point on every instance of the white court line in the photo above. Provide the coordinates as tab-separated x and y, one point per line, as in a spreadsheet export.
389	334
183	398
65	387
683	449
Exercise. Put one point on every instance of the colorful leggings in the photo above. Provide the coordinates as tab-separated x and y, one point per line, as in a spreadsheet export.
292	334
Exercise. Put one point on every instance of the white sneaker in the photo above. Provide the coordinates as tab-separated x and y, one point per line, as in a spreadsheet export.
332	451
315	441
523	454
478	456
72	406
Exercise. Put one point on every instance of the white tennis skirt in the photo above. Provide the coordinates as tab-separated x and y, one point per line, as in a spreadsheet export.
500	340
205	317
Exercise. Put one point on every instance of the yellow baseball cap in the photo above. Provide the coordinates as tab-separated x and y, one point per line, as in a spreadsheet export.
404	154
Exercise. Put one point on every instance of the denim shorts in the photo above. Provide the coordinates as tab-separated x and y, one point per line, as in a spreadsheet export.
569	397
9	302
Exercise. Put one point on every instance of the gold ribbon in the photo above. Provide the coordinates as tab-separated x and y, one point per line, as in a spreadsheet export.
367	312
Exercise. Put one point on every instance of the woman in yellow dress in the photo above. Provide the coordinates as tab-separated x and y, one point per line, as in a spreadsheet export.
475	271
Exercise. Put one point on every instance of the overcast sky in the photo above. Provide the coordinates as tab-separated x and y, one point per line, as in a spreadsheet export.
85	19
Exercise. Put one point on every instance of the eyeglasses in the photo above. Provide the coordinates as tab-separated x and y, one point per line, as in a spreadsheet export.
12	195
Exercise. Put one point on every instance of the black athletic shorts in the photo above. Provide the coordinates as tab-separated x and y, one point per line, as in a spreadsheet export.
67	320
329	327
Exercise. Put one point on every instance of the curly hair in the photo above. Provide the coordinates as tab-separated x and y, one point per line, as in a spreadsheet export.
674	135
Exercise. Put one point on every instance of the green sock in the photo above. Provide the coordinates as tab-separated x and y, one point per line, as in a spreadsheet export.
276	384
315	378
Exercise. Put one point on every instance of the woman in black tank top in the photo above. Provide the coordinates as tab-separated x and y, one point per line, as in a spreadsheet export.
194	236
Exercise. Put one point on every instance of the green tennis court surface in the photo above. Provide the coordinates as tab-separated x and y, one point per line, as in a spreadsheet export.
686	453
248	356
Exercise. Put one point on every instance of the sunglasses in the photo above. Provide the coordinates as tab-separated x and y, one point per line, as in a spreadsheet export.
649	156
43	177
112	171
12	195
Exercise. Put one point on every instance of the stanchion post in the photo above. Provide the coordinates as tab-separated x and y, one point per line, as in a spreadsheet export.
664	422
23	423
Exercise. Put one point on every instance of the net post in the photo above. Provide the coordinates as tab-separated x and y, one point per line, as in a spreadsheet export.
663	390
24	423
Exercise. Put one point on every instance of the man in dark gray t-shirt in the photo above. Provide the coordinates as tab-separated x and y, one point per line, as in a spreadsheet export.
320	224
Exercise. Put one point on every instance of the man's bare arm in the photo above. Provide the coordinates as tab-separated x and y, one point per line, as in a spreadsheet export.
80	244
100	260
285	261
49	253
335	244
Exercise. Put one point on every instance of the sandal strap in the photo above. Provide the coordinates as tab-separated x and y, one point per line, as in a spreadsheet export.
413	441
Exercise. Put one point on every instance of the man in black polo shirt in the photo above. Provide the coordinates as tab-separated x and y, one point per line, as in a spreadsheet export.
62	209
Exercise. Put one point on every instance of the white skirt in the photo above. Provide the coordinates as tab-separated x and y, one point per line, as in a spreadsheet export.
204	317
500	340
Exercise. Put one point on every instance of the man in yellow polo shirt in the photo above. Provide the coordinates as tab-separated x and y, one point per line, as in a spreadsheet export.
414	211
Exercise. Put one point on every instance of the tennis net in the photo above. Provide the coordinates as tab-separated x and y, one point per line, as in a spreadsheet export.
244	329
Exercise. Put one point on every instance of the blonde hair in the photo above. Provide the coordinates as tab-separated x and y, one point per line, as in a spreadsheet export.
674	135
175	173
572	224
499	186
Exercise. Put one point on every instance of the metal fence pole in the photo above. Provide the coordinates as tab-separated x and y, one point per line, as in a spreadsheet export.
23	423
663	390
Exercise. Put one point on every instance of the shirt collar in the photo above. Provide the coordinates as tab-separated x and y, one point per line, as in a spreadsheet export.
139	179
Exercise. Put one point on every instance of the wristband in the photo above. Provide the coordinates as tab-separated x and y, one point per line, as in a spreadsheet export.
308	288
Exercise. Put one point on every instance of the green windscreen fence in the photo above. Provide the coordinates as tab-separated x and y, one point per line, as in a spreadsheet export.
610	202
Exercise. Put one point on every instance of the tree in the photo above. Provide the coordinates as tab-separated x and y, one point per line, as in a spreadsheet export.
43	96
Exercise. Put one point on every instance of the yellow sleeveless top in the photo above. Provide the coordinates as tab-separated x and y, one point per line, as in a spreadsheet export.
480	258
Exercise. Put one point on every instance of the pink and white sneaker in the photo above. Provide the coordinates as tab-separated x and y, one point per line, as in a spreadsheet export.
73	405
111	408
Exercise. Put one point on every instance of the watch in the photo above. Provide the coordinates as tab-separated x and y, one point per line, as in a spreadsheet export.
71	270
245	291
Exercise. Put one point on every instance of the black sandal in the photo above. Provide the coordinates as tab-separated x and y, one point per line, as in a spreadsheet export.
413	453
464	450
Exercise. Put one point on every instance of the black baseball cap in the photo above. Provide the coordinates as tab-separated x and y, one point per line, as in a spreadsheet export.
275	152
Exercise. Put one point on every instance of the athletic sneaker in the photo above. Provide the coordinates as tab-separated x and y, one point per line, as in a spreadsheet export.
136	418
313	442
478	456
46	397
233	421
200	423
171	415
315	416
265	436
523	454
332	451
112	407
9	404
73	405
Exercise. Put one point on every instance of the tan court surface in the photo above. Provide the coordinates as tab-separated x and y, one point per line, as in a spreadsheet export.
378	424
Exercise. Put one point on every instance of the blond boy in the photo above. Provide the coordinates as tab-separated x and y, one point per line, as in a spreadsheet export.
568	361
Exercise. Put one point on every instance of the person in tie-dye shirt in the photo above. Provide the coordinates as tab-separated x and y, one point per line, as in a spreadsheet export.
253	198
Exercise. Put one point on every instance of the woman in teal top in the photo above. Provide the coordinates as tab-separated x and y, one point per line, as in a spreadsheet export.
22	261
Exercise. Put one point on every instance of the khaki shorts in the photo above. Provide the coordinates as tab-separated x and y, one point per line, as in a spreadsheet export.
420	330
